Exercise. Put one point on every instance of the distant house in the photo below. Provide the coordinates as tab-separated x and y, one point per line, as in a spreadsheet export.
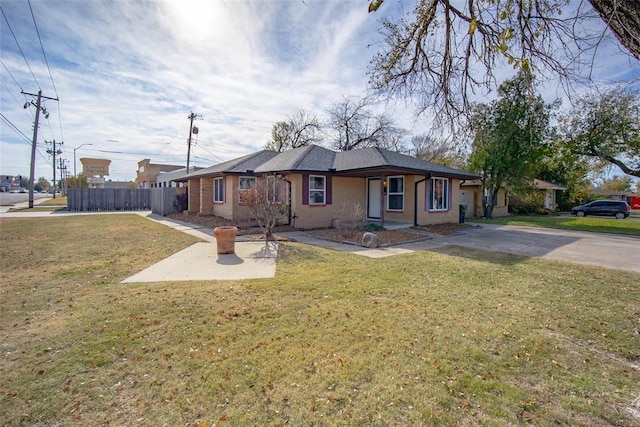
471	198
604	193
383	186
549	189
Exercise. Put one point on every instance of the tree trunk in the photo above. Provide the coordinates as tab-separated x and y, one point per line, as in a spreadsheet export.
488	198
623	18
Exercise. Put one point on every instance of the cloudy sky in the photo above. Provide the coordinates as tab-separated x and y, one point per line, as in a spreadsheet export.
128	74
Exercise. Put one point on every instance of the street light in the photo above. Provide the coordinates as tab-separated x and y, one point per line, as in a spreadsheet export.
74	159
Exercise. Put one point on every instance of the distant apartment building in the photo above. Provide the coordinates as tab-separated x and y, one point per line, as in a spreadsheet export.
156	175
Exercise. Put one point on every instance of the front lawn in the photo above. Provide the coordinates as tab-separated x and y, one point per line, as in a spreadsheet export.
590	223
447	337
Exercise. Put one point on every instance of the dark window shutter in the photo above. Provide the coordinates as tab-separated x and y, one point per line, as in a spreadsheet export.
450	193
427	189
305	189
328	189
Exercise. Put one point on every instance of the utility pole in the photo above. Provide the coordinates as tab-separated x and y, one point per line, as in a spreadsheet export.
35	137
63	176
192	130
54	152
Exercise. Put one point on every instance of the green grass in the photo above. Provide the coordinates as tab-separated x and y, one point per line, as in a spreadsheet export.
590	223
59	200
47	205
449	337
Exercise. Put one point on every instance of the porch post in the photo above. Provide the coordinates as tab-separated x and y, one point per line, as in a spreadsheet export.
382	188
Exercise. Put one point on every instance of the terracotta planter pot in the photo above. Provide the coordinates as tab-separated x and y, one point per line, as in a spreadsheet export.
226	239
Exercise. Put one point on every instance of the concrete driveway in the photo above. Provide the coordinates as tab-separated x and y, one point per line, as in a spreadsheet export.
604	250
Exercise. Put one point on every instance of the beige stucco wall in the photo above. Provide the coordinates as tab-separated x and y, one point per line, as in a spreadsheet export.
406	215
348	200
225	210
500	209
425	216
231	207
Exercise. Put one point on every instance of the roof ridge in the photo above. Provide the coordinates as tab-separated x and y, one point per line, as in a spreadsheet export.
381	154
298	159
232	163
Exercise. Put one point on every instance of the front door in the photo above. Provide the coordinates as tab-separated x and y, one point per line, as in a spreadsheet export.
465	200
374	194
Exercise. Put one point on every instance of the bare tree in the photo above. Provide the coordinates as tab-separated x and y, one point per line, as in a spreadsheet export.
300	129
267	201
436	150
354	125
445	51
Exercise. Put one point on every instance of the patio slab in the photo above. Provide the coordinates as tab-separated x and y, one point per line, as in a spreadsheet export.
200	261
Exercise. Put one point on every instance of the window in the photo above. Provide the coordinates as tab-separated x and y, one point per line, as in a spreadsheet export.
439	194
246	182
218	190
395	193
317	190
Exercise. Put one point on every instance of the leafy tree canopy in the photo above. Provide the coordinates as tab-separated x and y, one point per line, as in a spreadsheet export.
511	135
606	126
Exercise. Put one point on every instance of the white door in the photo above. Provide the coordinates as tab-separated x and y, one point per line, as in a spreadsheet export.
374	190
465	200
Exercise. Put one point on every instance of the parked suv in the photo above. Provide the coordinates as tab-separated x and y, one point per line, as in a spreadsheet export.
616	208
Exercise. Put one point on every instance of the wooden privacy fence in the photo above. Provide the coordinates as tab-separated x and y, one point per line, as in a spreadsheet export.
108	199
168	200
161	201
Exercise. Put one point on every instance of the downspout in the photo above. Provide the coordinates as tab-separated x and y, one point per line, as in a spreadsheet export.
288	191
415	199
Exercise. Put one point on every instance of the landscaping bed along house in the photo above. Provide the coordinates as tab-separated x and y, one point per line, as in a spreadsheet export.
346	235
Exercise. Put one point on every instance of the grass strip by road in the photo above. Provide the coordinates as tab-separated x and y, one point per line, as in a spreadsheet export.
47	205
448	337
590	223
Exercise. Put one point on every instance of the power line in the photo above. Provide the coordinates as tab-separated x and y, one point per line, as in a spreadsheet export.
48	68
42	47
18	131
19	48
10	92
14	79
214	155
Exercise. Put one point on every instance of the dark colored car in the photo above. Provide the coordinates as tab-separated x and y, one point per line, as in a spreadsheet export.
616	208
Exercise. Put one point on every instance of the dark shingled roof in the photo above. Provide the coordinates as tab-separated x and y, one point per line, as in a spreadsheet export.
380	158
310	158
313	158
